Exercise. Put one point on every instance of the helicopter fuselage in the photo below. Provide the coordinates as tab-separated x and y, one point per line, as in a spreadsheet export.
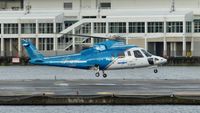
103	56
132	57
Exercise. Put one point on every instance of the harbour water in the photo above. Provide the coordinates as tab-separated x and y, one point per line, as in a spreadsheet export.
100	109
45	72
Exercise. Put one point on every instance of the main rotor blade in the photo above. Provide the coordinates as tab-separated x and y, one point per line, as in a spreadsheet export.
98	37
88	36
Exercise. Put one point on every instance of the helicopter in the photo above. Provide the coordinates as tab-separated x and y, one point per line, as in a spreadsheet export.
112	54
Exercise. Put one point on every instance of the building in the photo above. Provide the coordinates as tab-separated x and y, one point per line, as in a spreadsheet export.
163	27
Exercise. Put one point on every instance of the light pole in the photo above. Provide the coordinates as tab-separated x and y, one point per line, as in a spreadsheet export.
172	6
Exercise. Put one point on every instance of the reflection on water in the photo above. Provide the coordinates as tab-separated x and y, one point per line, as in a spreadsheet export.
100	109
45	72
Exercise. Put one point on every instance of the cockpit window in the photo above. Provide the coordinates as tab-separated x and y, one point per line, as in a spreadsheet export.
138	54
129	53
146	53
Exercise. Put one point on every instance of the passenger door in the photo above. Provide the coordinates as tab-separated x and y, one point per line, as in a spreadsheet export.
139	58
130	59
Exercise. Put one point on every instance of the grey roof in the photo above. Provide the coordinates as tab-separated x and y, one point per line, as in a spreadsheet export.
31	15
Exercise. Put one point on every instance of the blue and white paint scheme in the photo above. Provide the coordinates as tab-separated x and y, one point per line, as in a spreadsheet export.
107	55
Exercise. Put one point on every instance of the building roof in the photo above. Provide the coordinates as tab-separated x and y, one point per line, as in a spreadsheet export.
149	13
31	15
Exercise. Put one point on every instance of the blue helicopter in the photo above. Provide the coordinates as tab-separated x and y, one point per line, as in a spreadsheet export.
107	55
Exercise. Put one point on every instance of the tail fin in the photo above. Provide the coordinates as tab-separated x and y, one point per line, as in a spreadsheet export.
31	50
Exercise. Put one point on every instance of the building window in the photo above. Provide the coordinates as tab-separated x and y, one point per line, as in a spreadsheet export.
117	27
88	17
188	27
197	26
59	27
0	28
136	27
105	5
69	23
28	28
45	44
174	27
98	40
10	28
68	6
45	28
42	44
49	44
85	28
11	4
155	27
100	27
63	41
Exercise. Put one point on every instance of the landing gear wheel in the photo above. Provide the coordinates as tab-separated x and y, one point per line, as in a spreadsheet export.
155	71
104	75
97	74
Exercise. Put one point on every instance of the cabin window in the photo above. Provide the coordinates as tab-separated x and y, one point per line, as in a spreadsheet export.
129	53
121	55
146	53
156	59
138	54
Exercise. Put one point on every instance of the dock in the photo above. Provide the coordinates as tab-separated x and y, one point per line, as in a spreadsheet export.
99	92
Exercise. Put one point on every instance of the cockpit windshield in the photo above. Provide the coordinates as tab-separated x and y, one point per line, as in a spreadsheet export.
147	54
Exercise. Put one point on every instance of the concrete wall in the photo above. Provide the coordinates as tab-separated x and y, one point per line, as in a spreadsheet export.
59	4
116	4
140	4
137	41
196	51
46	4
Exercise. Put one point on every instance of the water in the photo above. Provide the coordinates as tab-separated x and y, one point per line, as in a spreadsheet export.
100	109
45	72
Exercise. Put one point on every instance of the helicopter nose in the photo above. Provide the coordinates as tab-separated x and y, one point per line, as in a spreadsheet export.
160	60
163	61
